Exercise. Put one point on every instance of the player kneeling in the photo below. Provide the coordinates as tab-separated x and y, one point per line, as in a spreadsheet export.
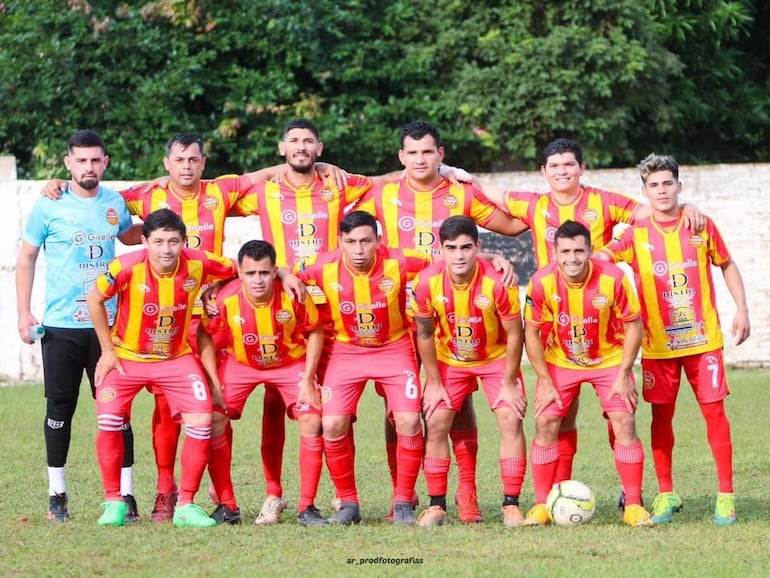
272	340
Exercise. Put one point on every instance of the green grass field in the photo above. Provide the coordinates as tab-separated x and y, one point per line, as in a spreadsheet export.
691	546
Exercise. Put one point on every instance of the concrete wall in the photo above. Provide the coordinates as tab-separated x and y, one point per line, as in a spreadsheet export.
736	196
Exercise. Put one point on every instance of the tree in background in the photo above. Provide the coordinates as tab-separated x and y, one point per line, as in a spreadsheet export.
685	76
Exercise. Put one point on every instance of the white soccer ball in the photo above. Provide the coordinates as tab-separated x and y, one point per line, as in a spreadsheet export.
571	503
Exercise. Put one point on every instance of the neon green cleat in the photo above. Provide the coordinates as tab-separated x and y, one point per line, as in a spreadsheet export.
114	514
724	513
636	516
537	516
665	506
192	516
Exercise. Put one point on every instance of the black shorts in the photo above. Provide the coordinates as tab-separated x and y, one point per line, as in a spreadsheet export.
67	353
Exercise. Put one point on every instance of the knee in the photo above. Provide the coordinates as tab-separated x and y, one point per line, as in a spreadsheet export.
335	427
61	409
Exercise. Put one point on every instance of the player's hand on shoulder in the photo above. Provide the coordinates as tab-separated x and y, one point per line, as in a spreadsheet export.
506	270
54	189
209	299
333	173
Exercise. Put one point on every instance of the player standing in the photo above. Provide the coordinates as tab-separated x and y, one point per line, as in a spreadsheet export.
590	314
411	211
479	336
149	347
365	288
77	235
672	269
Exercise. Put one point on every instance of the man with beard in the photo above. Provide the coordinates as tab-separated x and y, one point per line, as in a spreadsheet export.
77	235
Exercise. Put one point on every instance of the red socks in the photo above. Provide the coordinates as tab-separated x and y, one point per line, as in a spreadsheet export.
466	447
512	472
720	440
409	452
544	460
195	456
220	463
311	451
629	461
436	473
568	444
341	464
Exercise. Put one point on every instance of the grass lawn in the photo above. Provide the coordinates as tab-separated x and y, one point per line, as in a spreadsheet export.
692	546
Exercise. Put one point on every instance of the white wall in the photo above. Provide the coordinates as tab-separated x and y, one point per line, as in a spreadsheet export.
736	196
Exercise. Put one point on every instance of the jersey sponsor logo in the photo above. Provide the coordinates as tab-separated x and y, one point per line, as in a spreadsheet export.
550	234
211	203
600	301
648	380
283	316
482	302
326	394
347	307
660	268
250	339
386	285
289	217
194	241
81	237
696	240
107	394
150	309
112	216
563	319
406	223
190	284
450	202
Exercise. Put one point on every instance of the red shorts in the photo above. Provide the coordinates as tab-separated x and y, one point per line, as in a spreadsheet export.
704	371
180	379
393	367
460	382
239	380
569	381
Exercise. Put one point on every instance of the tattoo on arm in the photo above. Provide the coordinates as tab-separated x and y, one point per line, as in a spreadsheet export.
425	327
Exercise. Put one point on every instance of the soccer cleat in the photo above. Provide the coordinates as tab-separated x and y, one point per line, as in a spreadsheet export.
224	515
636	516
403	514
192	516
665	506
114	514
163	510
57	508
415	502
310	517
432	516
512	517
468	511
271	511
724	513
537	516
349	513
132	509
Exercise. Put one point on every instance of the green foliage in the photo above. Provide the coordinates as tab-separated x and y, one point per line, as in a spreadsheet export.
500	80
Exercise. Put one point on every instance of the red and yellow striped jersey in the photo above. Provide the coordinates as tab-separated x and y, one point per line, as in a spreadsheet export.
598	210
204	214
410	219
367	309
262	335
586	320
672	270
153	312
469	328
300	221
